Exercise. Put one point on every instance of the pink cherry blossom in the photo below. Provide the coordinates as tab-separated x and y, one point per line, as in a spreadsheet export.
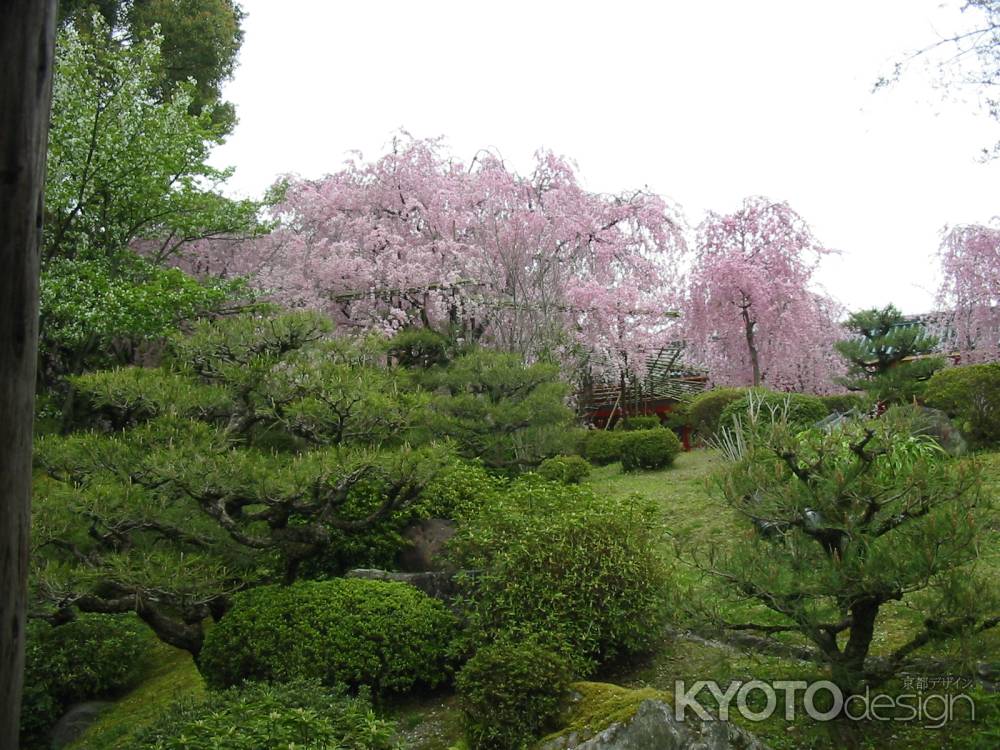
530	264
970	289
753	315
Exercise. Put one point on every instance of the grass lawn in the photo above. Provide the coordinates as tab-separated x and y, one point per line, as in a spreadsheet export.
697	519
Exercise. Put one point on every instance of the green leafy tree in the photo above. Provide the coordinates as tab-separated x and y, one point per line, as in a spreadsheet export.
888	357
229	467
126	171
848	521
201	41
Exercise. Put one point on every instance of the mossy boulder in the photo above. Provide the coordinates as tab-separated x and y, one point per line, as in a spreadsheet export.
594	706
608	717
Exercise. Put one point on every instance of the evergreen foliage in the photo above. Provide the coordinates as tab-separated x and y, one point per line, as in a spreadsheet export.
565	469
262	446
511	691
386	635
583	568
649	449
971	395
300	714
887	358
847	521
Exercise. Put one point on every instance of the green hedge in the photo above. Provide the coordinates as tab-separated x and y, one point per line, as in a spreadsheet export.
970	394
386	635
581	567
511	691
602	447
301	715
649	449
804	410
93	656
565	469
705	410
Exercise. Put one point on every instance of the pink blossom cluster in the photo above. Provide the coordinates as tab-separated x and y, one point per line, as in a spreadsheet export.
531	264
970	288
753	314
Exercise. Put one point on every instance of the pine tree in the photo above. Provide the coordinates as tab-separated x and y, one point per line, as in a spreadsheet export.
887	357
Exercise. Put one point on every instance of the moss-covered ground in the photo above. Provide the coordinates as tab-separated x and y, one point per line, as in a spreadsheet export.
170	674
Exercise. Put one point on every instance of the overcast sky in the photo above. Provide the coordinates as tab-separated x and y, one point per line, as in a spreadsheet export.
702	102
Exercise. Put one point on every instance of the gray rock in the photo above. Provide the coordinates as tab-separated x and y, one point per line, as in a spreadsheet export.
426	539
75	722
653	727
439	585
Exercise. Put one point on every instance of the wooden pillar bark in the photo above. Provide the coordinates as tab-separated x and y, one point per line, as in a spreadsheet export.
27	28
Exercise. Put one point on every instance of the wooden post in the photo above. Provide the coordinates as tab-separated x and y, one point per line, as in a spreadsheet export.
27	28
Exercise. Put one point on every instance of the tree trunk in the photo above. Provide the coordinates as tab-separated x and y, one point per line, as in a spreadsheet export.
27	29
848	671
748	326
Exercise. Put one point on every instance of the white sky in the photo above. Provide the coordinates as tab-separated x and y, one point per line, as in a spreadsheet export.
703	102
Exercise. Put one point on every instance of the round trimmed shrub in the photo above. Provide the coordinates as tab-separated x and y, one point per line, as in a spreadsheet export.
678	417
804	410
459	485
302	715
643	422
582	567
705	409
386	635
565	469
649	449
93	656
842	403
601	447
970	395
511	691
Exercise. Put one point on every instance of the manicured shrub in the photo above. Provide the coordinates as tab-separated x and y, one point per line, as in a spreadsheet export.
565	469
842	403
511	691
678	417
602	447
460	485
649	449
386	635
301	715
971	396
92	656
566	561
705	409
643	422
804	410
